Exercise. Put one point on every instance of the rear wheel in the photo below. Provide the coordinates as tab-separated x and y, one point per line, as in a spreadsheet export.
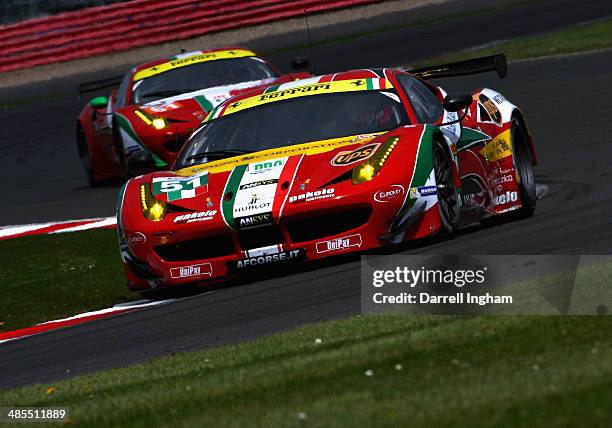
523	165
448	196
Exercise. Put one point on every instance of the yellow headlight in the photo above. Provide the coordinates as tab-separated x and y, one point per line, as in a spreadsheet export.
156	212
152	209
158	123
366	172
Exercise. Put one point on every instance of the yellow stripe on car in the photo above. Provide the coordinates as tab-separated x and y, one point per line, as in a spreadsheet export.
194	59
332	87
298	149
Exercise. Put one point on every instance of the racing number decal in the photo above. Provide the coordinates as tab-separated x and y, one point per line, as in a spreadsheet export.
180	188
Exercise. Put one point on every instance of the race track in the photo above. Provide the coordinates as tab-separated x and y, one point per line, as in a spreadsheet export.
566	101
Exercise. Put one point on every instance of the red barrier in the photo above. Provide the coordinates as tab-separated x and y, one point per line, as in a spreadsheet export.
141	20
124	26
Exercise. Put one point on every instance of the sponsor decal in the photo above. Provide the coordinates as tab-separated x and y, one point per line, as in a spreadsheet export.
284	92
202	269
416	192
258	183
506	198
253	206
283	256
313	148
452	128
339	244
250	191
498	148
176	188
490	108
508	178
254	220
263	251
266	166
136	238
388	194
313	196
188	60
499	98
289	93
350	157
197	216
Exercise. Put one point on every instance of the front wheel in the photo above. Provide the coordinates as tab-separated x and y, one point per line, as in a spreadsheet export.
448	196
122	158
85	156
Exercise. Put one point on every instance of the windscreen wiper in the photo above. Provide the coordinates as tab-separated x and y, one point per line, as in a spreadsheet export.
219	154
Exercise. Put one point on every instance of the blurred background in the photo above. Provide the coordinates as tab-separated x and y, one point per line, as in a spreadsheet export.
19	10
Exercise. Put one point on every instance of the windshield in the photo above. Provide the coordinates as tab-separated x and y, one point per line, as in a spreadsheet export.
294	121
200	76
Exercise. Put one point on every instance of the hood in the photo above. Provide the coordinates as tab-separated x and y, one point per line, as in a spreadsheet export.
260	183
202	101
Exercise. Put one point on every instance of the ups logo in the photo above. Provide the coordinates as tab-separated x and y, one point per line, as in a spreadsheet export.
347	158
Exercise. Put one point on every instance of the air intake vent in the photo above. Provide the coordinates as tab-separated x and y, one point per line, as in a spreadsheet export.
322	226
197	249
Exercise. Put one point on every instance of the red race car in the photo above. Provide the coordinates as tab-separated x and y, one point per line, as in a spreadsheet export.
157	105
324	166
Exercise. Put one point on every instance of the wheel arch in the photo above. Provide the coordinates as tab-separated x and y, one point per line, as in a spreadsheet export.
518	114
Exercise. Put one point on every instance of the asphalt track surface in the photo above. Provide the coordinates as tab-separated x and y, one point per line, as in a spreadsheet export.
566	101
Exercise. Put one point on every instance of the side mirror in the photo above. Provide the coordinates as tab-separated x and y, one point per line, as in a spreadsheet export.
99	102
300	63
456	103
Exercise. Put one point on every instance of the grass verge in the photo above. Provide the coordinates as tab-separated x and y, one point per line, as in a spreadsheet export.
386	370
53	276
580	38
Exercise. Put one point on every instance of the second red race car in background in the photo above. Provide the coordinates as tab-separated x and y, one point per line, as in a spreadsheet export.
145	121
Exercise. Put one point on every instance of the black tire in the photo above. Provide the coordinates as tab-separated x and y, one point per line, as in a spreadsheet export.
121	155
523	165
85	157
448	196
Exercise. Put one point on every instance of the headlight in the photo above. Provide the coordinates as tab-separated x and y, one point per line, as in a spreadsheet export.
152	209
370	169
158	123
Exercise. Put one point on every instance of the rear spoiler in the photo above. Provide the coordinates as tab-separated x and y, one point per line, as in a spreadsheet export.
96	85
483	64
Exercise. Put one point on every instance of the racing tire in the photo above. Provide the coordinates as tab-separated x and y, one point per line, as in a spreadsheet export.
85	157
446	187
523	165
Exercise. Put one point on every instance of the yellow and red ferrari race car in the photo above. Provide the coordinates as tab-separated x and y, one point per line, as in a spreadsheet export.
146	120
333	164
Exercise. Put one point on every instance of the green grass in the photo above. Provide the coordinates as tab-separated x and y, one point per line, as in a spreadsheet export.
455	371
53	276
579	38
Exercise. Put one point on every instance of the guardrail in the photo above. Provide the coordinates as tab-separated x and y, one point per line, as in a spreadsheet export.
123	26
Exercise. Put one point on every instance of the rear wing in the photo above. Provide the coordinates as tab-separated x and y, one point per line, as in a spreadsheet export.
96	85
483	64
